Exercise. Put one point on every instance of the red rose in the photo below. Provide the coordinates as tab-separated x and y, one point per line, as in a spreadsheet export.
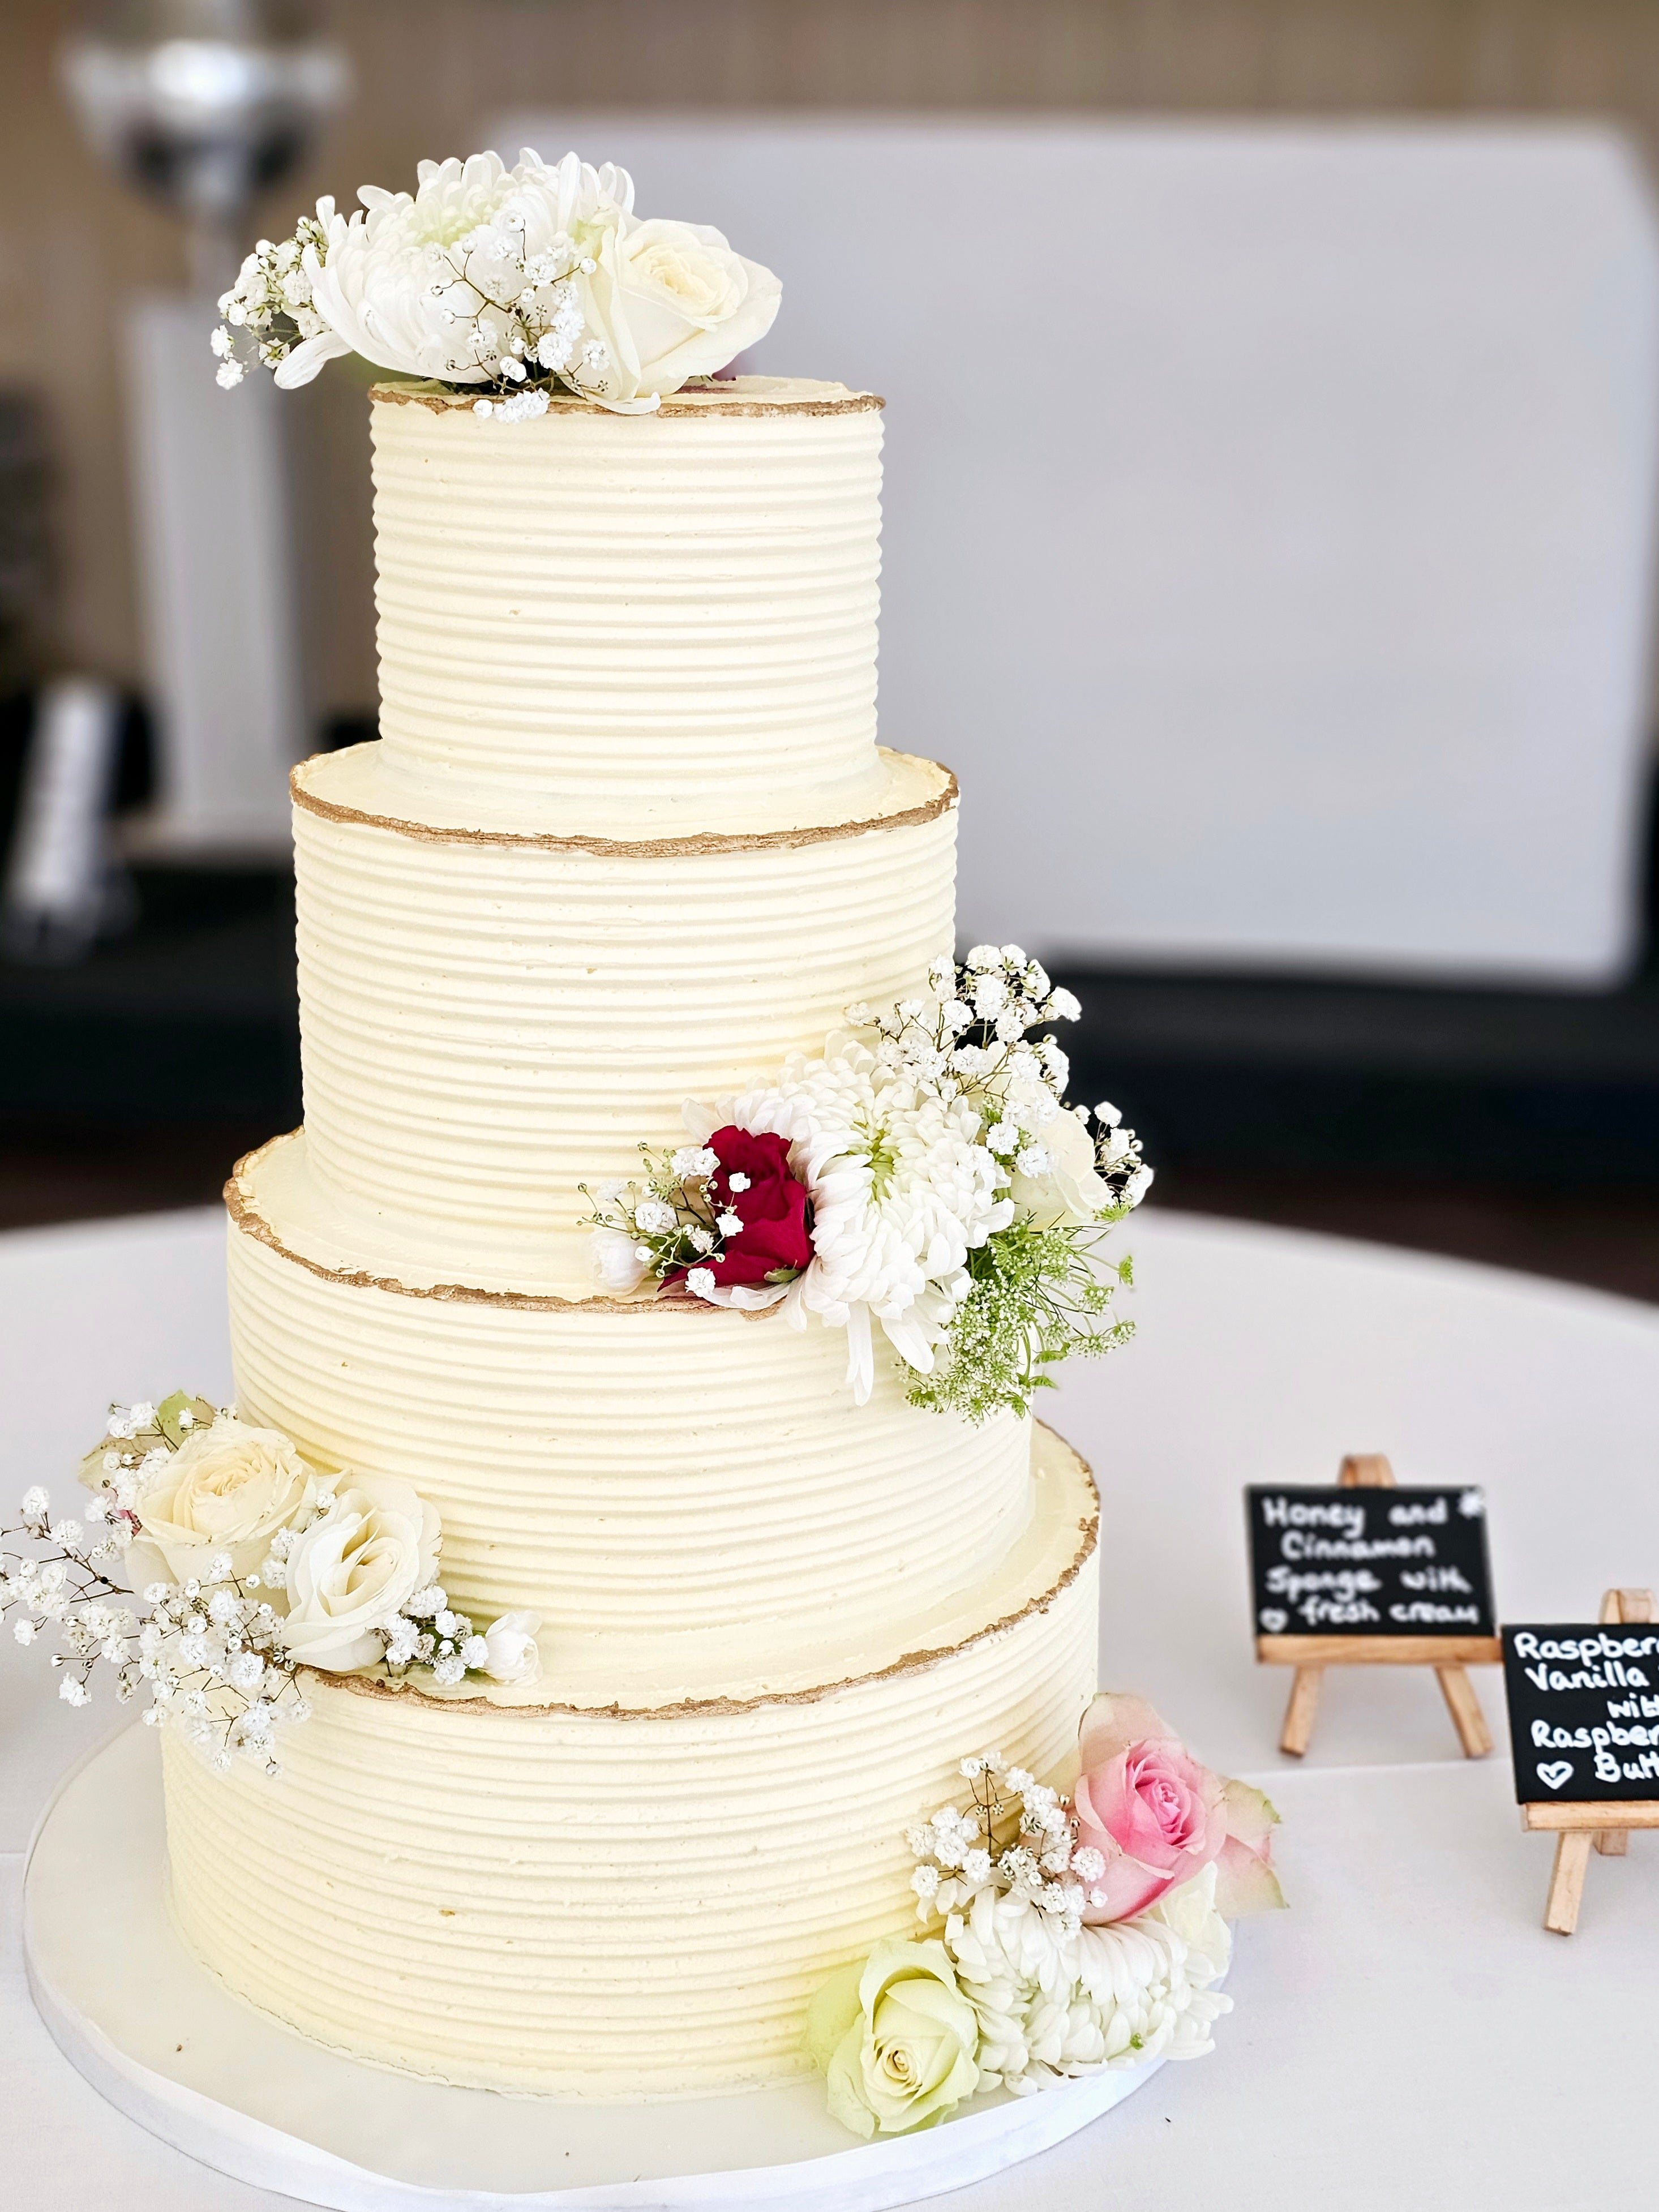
775	1240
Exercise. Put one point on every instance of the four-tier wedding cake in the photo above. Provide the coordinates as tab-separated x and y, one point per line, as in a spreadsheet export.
627	837
633	1485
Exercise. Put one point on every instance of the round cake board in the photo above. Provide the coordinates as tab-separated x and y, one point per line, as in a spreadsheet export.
169	2045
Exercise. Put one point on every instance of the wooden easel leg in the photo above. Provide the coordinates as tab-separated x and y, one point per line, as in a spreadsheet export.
1631	1606
1301	1711
1465	1709
1567	1882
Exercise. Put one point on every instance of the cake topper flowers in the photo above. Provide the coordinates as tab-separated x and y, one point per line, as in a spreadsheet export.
924	1178
1064	1934
514	283
241	1563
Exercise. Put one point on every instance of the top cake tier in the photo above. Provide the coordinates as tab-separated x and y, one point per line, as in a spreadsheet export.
618	624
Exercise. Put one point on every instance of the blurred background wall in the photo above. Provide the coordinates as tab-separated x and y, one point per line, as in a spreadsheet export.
73	242
1517	1126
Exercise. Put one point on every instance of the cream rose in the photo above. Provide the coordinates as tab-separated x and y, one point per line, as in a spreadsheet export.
669	301
227	1488
349	1573
895	2038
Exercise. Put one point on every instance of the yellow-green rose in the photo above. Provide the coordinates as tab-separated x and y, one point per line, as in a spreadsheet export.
896	2038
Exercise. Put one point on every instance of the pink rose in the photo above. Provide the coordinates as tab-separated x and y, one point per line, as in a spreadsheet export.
1158	1818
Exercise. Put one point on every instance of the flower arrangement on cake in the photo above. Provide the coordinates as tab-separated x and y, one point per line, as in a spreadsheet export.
1069	1931
925	1175
244	1564
515	283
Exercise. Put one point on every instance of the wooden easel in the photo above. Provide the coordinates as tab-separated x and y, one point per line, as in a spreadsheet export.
1447	1654
1608	1826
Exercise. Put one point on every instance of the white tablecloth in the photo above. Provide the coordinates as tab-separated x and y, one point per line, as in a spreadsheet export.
1406	2034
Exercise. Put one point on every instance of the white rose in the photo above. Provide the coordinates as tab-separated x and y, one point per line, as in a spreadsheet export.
669	301
615	1262
227	1488
514	1653
1072	1188
349	1574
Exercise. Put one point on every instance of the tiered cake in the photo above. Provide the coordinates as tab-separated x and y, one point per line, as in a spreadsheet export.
627	837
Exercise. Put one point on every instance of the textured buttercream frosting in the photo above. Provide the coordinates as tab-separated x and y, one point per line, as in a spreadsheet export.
604	1905
487	1024
666	1468
627	839
669	616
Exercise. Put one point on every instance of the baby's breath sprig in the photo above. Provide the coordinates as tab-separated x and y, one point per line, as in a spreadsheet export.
270	304
1016	1835
515	329
430	1633
665	1213
207	1649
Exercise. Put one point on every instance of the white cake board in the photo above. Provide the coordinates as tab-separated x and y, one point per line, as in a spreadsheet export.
169	2045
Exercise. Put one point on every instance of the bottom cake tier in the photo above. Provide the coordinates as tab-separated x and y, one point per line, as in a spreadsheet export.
619	1902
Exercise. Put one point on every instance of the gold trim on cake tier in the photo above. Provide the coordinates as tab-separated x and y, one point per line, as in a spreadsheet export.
629	1468
735	397
634	848
617	1902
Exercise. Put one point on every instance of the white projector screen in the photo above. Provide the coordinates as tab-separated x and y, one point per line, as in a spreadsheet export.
1269	513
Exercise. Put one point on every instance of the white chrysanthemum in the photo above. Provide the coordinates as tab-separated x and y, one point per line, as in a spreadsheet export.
1053	2003
402	281
902	1188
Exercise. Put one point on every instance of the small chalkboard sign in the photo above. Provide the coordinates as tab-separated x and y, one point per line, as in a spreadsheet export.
1352	1561
1583	1712
1365	1574
1584	1735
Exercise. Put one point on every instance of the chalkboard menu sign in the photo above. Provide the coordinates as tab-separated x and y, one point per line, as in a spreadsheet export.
1369	1562
1583	1712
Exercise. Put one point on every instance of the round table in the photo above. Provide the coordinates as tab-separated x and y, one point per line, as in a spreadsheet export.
1407	2033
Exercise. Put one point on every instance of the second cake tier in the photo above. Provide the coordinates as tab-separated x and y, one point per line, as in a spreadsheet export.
490	1019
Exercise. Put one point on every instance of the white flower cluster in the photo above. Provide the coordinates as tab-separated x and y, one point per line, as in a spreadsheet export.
955	1203
254	1565
1053	2002
522	280
973	1038
1055	1998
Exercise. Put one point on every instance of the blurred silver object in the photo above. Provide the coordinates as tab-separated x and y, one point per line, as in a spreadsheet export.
64	887
205	103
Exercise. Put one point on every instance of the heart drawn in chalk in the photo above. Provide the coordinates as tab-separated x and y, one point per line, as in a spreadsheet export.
1555	1772
1273	1620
